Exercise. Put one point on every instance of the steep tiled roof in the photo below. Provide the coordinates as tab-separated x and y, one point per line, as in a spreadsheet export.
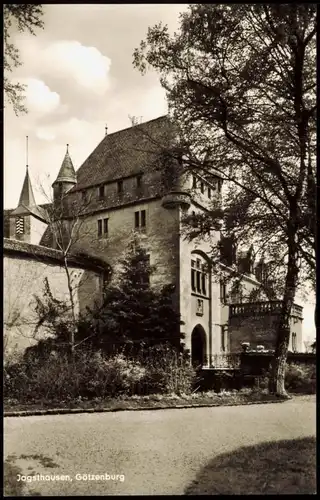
67	172
124	153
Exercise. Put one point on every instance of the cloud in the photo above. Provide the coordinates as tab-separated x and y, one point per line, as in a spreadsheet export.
39	97
86	65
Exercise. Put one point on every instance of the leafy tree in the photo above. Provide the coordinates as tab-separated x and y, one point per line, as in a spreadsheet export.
27	17
240	82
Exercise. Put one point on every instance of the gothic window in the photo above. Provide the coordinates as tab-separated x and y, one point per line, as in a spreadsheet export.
120	187
209	192
202	187
19	225
198	277
139	181
194	182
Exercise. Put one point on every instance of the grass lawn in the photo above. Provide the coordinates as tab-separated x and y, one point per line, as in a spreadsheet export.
279	468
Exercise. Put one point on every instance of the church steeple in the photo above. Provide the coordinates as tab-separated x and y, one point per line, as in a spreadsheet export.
27	221
27	197
66	178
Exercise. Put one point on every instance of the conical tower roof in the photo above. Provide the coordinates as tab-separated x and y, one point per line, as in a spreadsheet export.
67	172
27	196
27	203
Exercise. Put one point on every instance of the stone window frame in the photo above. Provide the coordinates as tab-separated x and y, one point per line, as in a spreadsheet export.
140	220
199	276
103	227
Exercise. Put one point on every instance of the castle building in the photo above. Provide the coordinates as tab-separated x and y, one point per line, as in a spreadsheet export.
125	189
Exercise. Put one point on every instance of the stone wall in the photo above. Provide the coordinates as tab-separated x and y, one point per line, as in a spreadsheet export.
260	329
25	268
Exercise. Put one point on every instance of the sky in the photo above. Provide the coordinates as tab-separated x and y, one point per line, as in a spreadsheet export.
79	79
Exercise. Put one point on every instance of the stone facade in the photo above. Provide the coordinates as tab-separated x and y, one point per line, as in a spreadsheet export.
125	194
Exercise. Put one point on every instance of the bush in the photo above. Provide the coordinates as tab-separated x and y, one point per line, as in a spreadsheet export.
299	378
56	379
158	370
167	371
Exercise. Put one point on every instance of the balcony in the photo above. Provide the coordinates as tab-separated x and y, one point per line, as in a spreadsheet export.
261	308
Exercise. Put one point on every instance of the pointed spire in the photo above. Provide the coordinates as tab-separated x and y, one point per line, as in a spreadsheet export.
27	196
67	172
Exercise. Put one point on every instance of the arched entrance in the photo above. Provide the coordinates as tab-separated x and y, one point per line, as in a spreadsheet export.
198	346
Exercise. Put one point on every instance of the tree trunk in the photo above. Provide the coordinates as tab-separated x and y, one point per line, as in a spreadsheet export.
74	320
278	364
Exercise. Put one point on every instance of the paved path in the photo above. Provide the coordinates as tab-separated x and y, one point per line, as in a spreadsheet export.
158	452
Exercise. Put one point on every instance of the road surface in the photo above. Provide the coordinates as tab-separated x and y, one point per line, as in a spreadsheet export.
152	452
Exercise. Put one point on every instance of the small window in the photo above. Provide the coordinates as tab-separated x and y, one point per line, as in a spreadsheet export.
198	282
20	225
194	182
209	192
105	226
101	191
143	218
137	219
223	338
120	187
139	181
140	219
193	219
202	187
100	227
193	280
294	342
223	292
204	289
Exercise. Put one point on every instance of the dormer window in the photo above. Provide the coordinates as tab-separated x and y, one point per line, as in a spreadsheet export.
139	181
120	187
101	192
194	182
209	192
202	187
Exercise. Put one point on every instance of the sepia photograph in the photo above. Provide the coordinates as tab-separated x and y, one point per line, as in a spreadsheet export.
159	249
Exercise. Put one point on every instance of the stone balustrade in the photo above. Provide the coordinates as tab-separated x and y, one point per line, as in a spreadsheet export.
259	308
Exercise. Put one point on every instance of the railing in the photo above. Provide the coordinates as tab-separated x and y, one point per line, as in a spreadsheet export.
256	308
223	361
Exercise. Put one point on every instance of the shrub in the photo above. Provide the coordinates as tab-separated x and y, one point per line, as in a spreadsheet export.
167	371
299	378
157	370
56	379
